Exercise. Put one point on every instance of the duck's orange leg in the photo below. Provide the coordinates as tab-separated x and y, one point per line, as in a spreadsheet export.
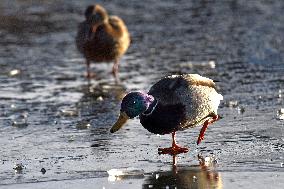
88	68
115	70
89	74
205	125
175	149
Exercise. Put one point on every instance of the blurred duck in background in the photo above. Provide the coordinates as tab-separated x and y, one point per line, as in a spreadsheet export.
102	38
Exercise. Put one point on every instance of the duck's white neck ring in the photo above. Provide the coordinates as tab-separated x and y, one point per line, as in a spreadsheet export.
151	108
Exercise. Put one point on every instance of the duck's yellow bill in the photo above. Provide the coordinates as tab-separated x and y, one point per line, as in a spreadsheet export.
122	119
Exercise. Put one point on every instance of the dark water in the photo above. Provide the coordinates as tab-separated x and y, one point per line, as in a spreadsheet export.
51	118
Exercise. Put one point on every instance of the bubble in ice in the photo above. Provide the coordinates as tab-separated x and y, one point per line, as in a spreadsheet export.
231	104
20	122
83	125
43	171
13	106
280	93
68	112
157	176
18	167
100	98
241	110
280	114
14	72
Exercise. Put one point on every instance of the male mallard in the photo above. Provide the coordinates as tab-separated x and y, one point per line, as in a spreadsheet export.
174	103
102	38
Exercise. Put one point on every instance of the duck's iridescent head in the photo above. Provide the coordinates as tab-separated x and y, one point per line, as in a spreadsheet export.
132	105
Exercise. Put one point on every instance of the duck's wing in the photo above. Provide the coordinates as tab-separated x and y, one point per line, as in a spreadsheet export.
118	29
166	90
196	93
118	25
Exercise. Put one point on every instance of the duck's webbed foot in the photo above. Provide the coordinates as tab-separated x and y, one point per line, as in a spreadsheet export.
174	150
90	75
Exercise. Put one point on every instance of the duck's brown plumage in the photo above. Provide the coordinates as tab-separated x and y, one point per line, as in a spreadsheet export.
102	38
183	101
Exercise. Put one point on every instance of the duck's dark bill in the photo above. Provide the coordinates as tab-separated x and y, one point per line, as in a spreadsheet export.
94	28
120	122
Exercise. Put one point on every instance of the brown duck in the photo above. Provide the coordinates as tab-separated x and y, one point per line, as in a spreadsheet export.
102	38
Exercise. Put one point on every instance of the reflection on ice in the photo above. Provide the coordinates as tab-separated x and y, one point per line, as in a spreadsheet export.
127	173
198	65
208	161
68	112
203	175
200	176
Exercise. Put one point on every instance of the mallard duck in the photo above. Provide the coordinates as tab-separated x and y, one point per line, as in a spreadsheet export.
102	38
174	103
